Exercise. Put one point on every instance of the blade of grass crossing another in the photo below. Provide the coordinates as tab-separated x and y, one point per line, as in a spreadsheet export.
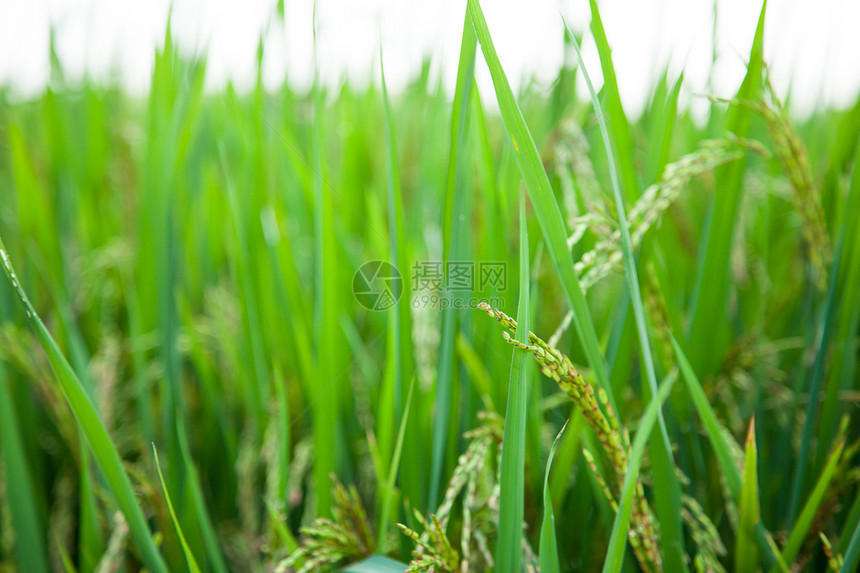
852	556
621	525
838	332
746	552
851	521
723	453
512	478
843	360
104	452
548	549
812	507
666	487
385	514
198	503
828	320
543	201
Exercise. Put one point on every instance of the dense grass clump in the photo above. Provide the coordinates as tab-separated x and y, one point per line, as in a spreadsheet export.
196	372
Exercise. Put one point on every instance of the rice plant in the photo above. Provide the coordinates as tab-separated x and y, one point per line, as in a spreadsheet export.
246	330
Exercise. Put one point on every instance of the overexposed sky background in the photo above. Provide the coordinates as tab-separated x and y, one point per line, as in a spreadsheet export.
813	48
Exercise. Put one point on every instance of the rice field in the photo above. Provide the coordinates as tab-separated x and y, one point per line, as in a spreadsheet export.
353	330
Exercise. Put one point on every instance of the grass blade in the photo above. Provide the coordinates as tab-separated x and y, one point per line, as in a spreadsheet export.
512	479
544	203
667	119
325	399
621	525
828	320
29	544
259	380
281	531
385	515
666	486
454	209
852	555
548	553
618	119
401	314
810	510
285	433
190	252
843	360
709	327
94	431
723	453
189	556
746	554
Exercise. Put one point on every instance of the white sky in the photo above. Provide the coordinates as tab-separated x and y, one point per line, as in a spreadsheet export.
812	46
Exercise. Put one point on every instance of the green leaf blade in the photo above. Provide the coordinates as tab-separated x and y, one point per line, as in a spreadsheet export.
746	552
548	549
96	435
621	525
512	479
545	206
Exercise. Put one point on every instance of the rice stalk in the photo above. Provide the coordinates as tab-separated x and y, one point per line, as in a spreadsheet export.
147	252
572	164
790	150
709	546
603	420
477	484
437	554
114	557
346	537
605	257
834	559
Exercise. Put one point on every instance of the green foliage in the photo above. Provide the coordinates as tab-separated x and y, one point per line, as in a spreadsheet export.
749	514
183	276
189	557
347	537
548	541
512	467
